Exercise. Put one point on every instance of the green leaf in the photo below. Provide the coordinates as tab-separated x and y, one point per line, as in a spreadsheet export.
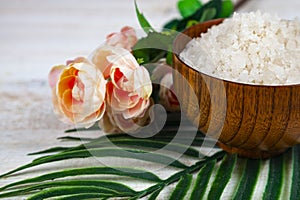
173	147
227	8
295	189
119	171
63	191
208	14
169	58
102	152
50	150
81	139
140	61
142	20
181	24
191	23
111	152
182	187
155	144
189	151
81	196
153	47
171	25
215	4
248	181
164	136
275	179
114	186
202	180
108	189
223	175
155	194
188	7
175	177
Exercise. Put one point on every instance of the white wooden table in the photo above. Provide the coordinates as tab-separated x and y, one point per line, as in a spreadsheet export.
35	35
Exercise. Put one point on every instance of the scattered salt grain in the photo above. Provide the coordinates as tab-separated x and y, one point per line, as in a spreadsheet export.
255	48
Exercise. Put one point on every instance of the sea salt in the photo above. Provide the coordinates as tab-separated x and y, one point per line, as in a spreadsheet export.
255	48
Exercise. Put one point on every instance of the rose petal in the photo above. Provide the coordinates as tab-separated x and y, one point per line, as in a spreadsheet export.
54	75
142	82
137	110
99	58
125	39
80	93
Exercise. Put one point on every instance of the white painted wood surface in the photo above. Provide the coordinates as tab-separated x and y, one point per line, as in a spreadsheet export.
37	34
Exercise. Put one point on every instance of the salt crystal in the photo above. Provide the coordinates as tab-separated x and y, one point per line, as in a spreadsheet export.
255	48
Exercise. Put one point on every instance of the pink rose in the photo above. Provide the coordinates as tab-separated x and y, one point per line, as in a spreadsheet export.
54	75
99	58
116	44
104	56
166	96
128	89
126	38
112	122
107	123
163	74
79	92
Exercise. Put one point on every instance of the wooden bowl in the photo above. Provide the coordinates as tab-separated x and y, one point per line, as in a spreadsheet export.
253	121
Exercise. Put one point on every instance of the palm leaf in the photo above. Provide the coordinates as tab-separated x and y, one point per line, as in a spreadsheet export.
248	181
82	196
109	185
108	189
223	175
64	191
173	147
175	177
155	194
50	150
127	172
102	152
275	179
295	189
202	180
182	187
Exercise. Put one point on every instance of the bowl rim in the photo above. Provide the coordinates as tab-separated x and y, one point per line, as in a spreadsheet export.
177	53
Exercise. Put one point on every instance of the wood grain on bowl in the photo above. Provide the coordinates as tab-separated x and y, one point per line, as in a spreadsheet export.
255	121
